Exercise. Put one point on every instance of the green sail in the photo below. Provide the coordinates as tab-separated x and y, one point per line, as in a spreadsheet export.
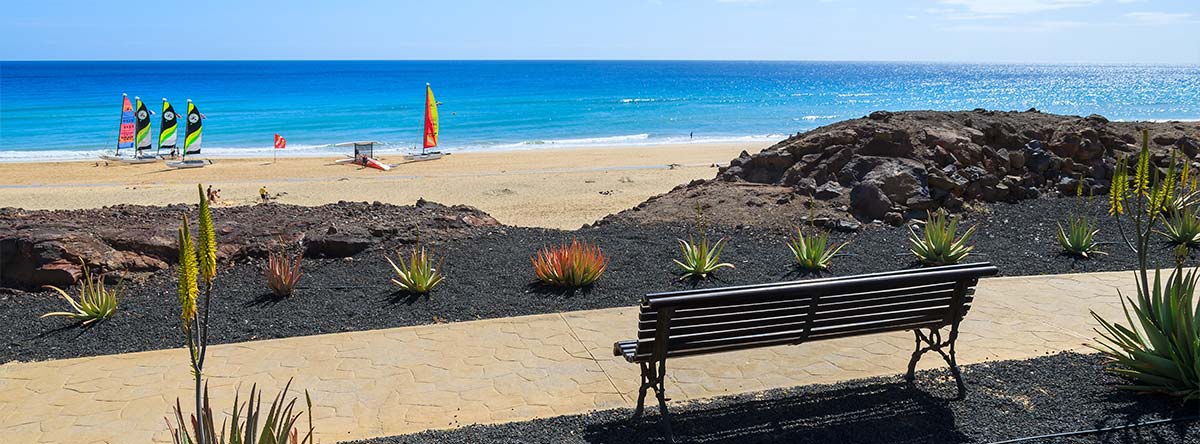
166	129
192	136
142	137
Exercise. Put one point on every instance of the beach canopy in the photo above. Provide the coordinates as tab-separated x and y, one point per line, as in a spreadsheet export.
362	148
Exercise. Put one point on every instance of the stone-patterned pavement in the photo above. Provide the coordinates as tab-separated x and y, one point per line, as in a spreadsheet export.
402	380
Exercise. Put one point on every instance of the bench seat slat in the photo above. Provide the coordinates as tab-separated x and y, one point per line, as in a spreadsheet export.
801	315
648	315
969	266
792	329
791	336
865	284
803	307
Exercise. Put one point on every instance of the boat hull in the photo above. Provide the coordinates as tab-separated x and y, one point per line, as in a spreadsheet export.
129	160
425	156
184	164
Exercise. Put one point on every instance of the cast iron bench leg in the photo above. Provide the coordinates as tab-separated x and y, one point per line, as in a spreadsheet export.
654	377
933	342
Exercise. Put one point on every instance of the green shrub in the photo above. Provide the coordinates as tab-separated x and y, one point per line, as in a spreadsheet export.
416	274
939	244
1182	228
247	423
1159	345
699	258
197	266
96	302
1079	237
813	252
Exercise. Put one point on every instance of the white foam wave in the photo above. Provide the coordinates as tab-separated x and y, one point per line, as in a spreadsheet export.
638	100
267	151
811	118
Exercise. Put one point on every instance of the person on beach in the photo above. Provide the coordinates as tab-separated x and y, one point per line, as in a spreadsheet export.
212	197
262	193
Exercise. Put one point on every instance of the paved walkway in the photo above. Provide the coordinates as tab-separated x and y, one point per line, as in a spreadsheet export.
403	380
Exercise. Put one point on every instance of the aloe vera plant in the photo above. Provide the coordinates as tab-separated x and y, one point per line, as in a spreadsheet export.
417	274
1079	237
939	243
96	302
577	264
699	257
197	266
1158	345
813	252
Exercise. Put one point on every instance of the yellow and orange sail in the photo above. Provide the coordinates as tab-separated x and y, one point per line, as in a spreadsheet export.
431	118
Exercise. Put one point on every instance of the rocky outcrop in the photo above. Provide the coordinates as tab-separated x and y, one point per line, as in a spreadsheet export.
46	247
890	167
903	163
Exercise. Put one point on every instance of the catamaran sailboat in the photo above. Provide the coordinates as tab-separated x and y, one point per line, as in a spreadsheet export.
166	131
430	132
191	139
134	132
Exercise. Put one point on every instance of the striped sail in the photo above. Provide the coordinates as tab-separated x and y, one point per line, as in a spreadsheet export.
142	128
166	129
192	136
431	119
125	136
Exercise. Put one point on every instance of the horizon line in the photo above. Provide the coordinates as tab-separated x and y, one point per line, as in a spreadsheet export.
897	61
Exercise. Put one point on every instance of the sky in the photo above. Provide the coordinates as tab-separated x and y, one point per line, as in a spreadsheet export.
1036	31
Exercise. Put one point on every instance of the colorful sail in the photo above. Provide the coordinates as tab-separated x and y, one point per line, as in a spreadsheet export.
142	137
125	137
431	118
191	137
166	129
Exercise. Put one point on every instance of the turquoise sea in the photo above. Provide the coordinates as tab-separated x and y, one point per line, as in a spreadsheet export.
53	110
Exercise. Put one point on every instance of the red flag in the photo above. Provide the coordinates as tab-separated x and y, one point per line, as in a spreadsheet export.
280	142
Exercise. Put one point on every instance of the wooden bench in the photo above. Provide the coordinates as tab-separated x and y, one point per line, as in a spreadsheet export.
708	321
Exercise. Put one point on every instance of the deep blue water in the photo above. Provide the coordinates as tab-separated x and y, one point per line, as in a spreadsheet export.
71	109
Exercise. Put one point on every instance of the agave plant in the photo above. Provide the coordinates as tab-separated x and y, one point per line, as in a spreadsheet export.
1182	228
96	302
813	252
577	264
1079	237
416	274
248	425
1159	345
283	272
940	244
699	258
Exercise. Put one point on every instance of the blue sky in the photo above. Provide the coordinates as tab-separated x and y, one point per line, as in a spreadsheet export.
927	30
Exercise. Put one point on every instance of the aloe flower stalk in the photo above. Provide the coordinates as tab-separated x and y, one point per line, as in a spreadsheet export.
187	276
206	238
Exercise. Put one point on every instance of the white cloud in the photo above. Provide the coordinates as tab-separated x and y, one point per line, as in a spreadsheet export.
1157	18
992	8
1041	26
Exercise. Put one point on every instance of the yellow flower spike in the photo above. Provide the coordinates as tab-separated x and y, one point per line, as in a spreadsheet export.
187	276
1184	172
1141	177
1116	194
206	238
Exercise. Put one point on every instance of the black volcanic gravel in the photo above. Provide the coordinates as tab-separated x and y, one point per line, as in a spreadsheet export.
489	276
1005	400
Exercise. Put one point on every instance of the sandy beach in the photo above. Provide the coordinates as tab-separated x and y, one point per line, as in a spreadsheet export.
554	188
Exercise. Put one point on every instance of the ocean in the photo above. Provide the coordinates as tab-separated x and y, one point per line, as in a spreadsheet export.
71	110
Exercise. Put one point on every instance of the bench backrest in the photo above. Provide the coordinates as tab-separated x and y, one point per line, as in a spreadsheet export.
713	320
